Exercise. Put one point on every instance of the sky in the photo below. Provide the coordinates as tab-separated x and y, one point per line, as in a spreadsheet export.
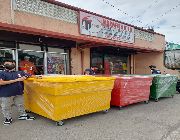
162	15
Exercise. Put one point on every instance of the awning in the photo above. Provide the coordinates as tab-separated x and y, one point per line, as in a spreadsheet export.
81	38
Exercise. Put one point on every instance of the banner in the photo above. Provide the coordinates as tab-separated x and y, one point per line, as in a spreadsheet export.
104	28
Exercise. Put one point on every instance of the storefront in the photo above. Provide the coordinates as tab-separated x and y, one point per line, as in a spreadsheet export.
111	60
36	57
60	39
108	59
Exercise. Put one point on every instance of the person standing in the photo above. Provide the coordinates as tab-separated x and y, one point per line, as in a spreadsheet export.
11	91
154	70
90	71
27	66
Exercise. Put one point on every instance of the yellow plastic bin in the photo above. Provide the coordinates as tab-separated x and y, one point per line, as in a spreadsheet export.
64	97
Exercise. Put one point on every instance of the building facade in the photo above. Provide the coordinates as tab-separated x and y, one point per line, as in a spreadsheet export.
62	39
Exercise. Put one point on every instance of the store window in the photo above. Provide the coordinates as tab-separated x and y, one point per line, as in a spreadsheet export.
57	61
7	51
115	64
97	60
172	59
36	59
6	54
109	61
31	59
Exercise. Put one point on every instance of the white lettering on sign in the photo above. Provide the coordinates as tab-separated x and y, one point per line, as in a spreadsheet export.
144	35
103	28
42	8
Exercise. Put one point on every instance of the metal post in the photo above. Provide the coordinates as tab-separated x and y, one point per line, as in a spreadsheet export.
16	58
65	63
45	62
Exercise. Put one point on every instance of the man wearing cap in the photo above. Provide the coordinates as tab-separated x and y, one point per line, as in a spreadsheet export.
27	66
89	71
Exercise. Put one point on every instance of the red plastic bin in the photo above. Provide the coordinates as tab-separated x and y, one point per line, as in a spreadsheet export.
130	89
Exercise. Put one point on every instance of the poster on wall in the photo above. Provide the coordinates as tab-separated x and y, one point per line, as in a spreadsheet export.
104	28
55	64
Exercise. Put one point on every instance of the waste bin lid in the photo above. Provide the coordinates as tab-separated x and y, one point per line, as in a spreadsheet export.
104	78
57	79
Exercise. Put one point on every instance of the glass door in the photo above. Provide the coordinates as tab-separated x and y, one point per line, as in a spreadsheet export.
6	54
97	61
115	64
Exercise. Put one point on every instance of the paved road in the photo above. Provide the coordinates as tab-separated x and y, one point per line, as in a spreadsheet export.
153	121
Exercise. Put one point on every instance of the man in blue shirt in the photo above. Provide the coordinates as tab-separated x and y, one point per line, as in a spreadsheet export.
11	91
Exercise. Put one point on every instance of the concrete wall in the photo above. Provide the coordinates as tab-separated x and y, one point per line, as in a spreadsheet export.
80	60
5	11
144	60
75	61
86	59
158	43
45	23
132	64
49	24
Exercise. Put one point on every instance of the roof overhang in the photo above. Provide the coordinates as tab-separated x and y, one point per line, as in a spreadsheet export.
80	38
80	9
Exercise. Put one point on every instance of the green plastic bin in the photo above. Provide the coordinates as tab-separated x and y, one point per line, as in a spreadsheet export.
163	86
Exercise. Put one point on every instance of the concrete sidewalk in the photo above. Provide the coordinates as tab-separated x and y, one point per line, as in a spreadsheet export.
153	121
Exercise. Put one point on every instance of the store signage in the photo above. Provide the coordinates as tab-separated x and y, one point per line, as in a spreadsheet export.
144	35
46	9
104	28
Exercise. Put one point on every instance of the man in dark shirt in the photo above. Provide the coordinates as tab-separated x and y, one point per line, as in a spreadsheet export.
89	71
154	70
11	91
